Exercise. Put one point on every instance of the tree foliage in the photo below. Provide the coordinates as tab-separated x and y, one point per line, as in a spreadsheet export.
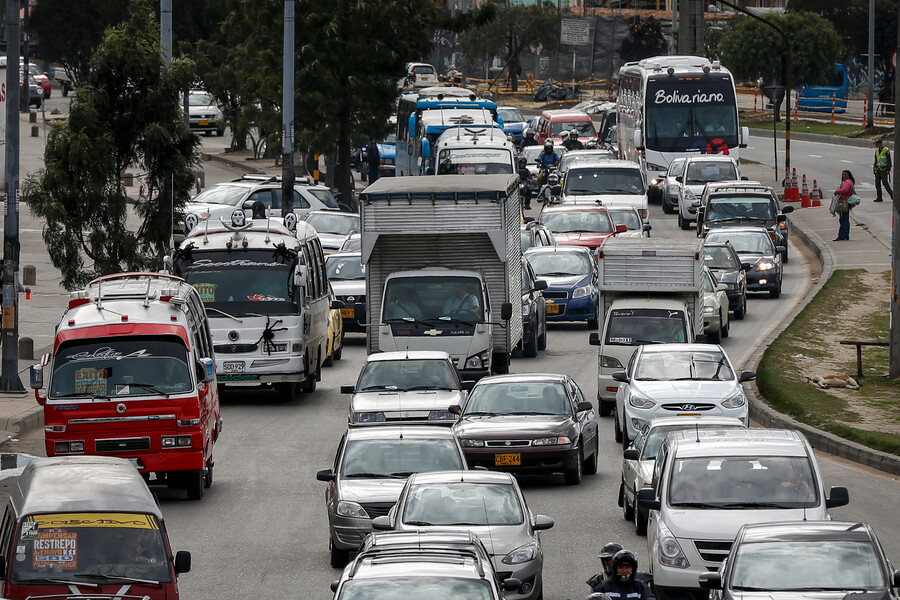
126	115
752	50
69	32
513	29
646	40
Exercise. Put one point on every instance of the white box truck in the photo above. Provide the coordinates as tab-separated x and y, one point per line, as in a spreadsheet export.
650	292
443	268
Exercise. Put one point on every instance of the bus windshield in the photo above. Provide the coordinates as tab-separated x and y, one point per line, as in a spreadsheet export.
683	115
475	161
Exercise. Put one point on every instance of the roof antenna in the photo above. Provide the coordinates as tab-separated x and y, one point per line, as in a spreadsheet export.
487	522
206	232
697	431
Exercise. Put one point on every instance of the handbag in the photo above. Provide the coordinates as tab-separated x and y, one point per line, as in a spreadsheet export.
853	200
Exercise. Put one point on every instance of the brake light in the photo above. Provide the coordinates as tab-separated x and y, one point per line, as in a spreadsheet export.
78	302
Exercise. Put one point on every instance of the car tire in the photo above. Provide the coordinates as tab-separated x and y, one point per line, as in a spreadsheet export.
684	223
627	508
208	479
573	476
220	132
337	354
741	312
727	330
530	347
592	464
640	519
286	391
775	293
605	407
625	440
329	360
667	210
309	384
617	429
715	338
339	557
542	339
196	481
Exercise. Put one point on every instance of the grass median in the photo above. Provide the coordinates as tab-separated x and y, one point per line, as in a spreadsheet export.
824	127
852	305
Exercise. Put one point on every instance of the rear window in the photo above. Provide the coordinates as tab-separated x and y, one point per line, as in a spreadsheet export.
424	70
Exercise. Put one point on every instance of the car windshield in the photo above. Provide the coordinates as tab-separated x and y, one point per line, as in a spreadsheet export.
583	156
511	115
637	326
463	503
603	180
719	257
704	171
408	374
398	458
745	243
577	221
628	218
732	207
404	588
560	264
741	482
584	128
229	195
69	547
199	99
120	366
431	299
813	565
701	365
526	398
343	268
337	223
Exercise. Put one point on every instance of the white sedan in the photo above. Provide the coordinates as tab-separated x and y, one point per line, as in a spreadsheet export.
715	307
678	380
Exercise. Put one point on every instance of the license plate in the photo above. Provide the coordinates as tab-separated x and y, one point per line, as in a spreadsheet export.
507	460
233	367
554	309
204	122
348	313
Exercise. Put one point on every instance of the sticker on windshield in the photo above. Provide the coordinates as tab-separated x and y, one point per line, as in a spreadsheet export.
620	340
207	291
57	548
122	389
265	298
29	530
91	381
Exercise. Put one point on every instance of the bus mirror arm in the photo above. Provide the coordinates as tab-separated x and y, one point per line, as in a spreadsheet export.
638	140
745	137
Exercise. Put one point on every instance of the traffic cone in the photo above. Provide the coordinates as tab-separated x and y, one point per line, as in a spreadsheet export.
790	188
795	186
816	194
805	200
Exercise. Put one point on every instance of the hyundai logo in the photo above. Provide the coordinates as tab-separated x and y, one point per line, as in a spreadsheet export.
508	443
688	407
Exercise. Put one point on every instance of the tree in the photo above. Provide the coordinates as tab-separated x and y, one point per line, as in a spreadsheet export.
125	114
646	40
753	51
69	32
513	29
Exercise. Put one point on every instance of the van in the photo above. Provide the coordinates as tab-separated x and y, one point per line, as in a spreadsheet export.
76	523
707	484
552	123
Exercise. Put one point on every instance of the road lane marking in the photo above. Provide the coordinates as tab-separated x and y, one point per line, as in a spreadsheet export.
814	156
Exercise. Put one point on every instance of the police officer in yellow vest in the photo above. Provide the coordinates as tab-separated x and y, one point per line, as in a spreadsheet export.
882	170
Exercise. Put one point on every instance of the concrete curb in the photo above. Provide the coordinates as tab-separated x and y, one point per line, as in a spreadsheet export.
768	417
234	164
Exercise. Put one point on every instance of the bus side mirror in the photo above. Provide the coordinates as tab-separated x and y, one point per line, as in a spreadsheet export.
412	126
182	562
426	148
745	137
300	276
638	140
36	377
207	369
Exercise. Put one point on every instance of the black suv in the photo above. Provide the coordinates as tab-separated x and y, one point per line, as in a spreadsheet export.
725	264
534	312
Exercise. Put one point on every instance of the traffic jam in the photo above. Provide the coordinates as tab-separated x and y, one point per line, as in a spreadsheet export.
492	234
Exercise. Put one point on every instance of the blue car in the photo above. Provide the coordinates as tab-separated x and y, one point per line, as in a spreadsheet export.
571	275
513	123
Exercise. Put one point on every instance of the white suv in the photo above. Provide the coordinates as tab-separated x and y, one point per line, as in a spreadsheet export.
707	484
698	171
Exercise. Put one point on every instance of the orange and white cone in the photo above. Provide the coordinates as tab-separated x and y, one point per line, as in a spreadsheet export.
805	200
816	194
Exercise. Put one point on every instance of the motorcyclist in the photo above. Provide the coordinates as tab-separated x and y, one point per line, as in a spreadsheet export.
546	193
606	555
572	142
528	139
526	177
623	585
545	160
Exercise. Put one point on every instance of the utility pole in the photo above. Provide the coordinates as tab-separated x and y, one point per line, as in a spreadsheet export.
9	373
894	368
165	45
870	113
287	112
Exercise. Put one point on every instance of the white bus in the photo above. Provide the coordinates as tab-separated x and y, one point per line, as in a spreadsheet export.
676	106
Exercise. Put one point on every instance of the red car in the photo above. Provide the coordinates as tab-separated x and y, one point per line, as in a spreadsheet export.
41	77
579	224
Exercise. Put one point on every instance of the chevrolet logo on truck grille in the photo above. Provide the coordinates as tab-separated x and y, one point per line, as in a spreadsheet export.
432	332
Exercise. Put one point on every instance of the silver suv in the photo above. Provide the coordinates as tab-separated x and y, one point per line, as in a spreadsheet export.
698	171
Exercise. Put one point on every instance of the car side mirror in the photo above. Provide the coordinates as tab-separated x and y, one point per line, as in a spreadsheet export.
747	376
722	287
710	581
679	179
746	266
647	226
335	585
895	579
631	454
621	228
695	204
781	249
584	406
455	409
556	190
594	339
511	584
787	209
542	522
837	496
529	219
348	389
337	304
382	523
781	218
647	499
182	562
744	178
325	475
620	376
208	369
506	311
539	285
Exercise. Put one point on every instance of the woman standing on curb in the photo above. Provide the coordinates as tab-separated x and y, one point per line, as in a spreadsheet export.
840	205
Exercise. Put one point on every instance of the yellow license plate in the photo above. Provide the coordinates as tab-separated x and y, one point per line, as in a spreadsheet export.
204	122
347	313
554	309
507	460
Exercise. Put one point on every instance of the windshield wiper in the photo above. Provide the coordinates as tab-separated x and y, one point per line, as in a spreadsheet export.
479	414
223	313
149	387
418	523
646	379
376	388
426	387
365	475
559	274
107	577
697	504
754	505
82	395
59	581
402	473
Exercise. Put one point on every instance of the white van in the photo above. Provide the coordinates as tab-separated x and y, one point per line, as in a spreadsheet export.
707	484
607	181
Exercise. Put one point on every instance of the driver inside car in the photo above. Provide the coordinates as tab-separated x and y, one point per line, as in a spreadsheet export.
461	301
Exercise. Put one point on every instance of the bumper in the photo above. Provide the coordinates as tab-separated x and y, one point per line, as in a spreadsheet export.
347	533
529	573
710	323
604	382
542	460
205	125
473	374
635	419
387	171
292	370
579	309
683	580
670	201
760	282
163	461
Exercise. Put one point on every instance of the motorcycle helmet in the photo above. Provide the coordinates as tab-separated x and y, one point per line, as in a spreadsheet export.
564	135
624	557
574	134
548	145
606	554
552	179
529	132
523	161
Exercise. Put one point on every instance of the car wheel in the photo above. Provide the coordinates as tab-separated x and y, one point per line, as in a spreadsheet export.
593	324
286	391
196	481
309	384
667	210
208	479
620	500
339	558
627	508
573	477
640	519
220	132
775	293
530	347
727	330
741	311
542	339
340	351
617	428
680	220
606	407
625	440
715	338
591	465
329	360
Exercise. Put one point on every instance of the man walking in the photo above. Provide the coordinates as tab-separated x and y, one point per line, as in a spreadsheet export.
373	161
882	170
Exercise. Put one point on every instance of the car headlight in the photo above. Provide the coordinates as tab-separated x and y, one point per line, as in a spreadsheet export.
582	292
551	441
440	415
654	181
765	265
638	401
670	553
521	554
470	443
610	362
369	417
346	508
217	115
709	309
688	195
736	401
479	361
652	167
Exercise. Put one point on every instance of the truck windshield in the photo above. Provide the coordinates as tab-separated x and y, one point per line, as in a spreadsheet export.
638	326
89	547
475	161
118	366
242	282
580	182
437	299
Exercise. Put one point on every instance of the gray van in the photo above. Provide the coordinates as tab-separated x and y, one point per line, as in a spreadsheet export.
86	525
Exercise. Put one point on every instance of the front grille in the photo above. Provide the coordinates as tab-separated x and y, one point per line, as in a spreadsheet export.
688	407
235	348
712	551
122	444
556	295
377	509
507	443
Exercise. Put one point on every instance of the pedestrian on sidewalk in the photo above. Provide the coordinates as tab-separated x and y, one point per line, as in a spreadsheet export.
841	207
373	160
882	170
